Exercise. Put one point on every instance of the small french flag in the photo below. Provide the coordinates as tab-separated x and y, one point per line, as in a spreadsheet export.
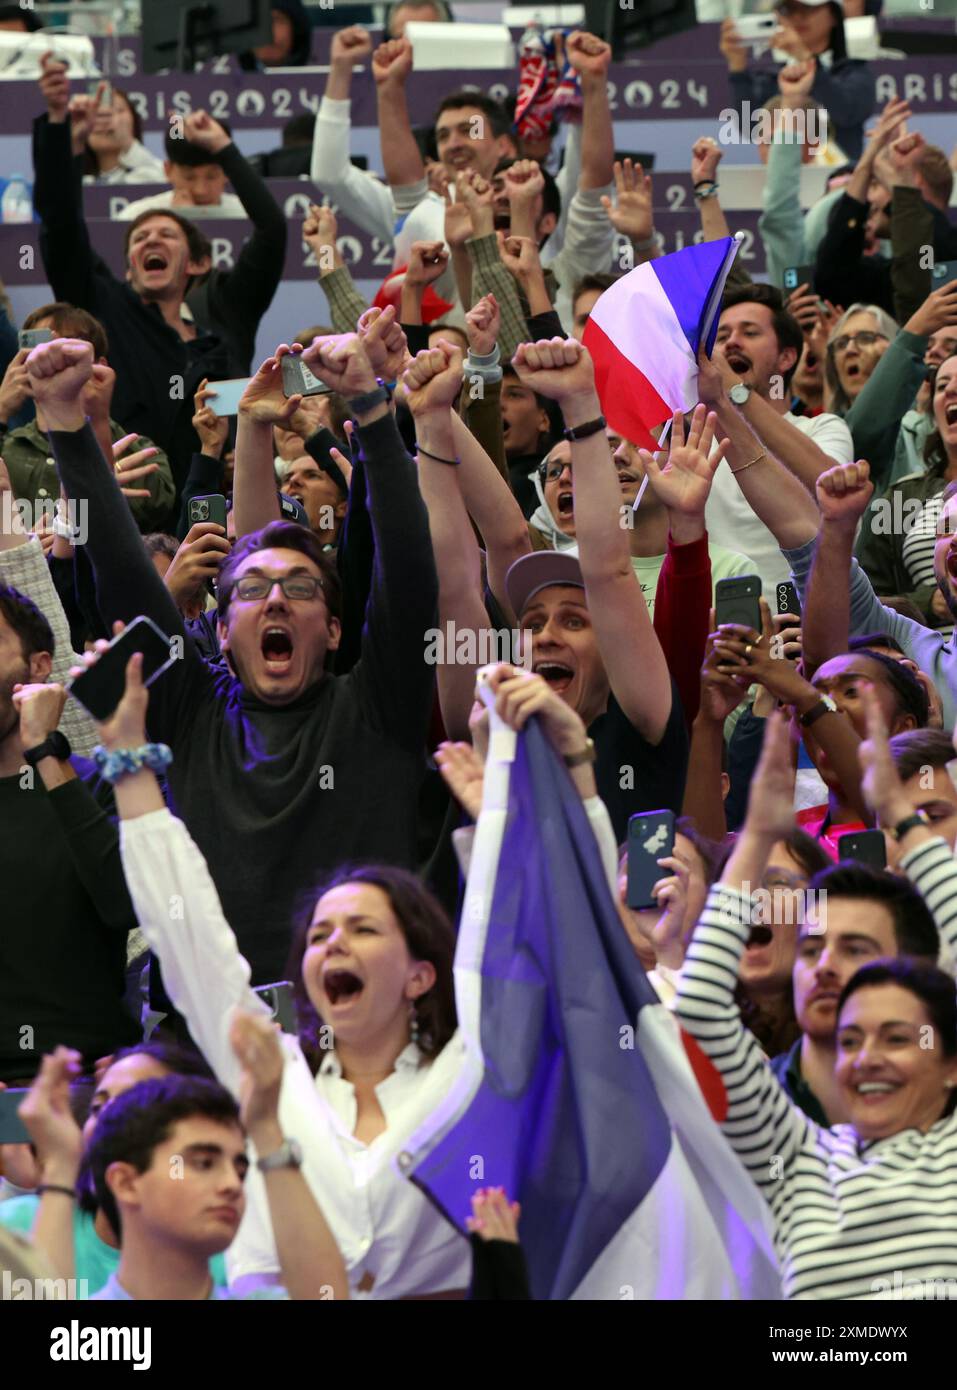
644	332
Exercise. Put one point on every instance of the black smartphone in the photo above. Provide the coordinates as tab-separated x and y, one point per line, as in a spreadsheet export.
100	688
736	601
651	836
796	275
293	510
865	847
298	380
788	601
942	274
279	1000
12	1128
210	507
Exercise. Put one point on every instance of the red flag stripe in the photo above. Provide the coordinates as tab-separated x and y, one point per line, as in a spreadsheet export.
629	402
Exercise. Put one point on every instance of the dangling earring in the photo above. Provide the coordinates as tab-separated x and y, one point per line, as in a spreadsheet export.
413	1022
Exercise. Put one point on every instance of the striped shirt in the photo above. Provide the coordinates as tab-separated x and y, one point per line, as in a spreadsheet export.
853	1219
917	549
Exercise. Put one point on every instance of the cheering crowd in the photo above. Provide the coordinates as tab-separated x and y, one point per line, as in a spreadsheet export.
266	828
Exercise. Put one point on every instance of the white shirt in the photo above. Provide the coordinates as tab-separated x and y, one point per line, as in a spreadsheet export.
136	165
228	206
732	523
393	1240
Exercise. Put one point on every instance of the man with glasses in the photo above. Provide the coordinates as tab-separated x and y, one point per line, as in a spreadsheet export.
280	768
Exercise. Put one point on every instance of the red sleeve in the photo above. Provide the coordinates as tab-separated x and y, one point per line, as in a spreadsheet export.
682	606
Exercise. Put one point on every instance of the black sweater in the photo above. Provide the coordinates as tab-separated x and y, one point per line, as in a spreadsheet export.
63	925
251	781
149	357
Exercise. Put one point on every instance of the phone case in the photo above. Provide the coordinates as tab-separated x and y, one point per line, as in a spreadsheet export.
865	847
210	507
100	688
736	601
651	836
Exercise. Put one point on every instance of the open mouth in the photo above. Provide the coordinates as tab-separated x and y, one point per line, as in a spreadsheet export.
852	370
738	362
277	650
874	1091
950	414
555	673
341	985
154	261
566	504
760	936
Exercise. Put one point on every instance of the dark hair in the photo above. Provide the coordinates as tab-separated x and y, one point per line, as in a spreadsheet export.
911	696
474	96
873	640
181	151
198	242
551	197
177	1059
928	983
428	934
31	22
712	853
787	330
159	543
134	1125
808	852
299	130
917	748
280	535
71	322
91	164
914	928
600	280
21	613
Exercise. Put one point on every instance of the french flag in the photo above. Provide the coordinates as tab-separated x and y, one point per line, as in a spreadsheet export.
572	1089
644	333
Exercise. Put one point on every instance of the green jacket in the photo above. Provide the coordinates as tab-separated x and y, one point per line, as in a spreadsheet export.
889	393
880	546
33	475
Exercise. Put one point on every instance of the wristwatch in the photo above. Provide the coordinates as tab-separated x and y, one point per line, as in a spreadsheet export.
740	393
56	745
586	755
825	705
288	1155
908	823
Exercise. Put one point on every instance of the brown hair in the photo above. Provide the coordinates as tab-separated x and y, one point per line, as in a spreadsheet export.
934	168
71	322
279	535
429	936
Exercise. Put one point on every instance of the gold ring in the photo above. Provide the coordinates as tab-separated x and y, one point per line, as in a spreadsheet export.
747	652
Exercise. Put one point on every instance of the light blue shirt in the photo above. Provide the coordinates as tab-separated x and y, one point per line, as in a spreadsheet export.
112	1291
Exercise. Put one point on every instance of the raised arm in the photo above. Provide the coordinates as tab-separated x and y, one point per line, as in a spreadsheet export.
631	653
262	405
590	57
360	198
706	155
761	1122
843	496
776	496
401	160
127	584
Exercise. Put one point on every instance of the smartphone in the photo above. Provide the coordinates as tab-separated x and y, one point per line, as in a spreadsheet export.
30	338
651	836
12	1128
228	393
298	380
796	275
106	100
100	688
756	28
279	1000
736	601
293	510
211	507
866	847
942	274
788	601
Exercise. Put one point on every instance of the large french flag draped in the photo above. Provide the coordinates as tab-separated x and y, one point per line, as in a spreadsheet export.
574	1091
644	332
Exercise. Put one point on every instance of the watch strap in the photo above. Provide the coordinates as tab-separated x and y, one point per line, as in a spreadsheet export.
55	745
288	1155
361	405
909	823
825	705
587	755
587	430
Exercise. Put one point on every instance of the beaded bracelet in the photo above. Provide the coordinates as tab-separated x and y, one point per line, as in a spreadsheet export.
704	191
122	762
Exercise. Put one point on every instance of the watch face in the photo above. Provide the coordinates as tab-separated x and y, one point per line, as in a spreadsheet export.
739	393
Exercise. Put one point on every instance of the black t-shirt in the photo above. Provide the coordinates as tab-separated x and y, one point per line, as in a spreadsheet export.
633	774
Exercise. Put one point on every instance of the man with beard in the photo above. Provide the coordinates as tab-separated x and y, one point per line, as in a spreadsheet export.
66	911
835	608
747	382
